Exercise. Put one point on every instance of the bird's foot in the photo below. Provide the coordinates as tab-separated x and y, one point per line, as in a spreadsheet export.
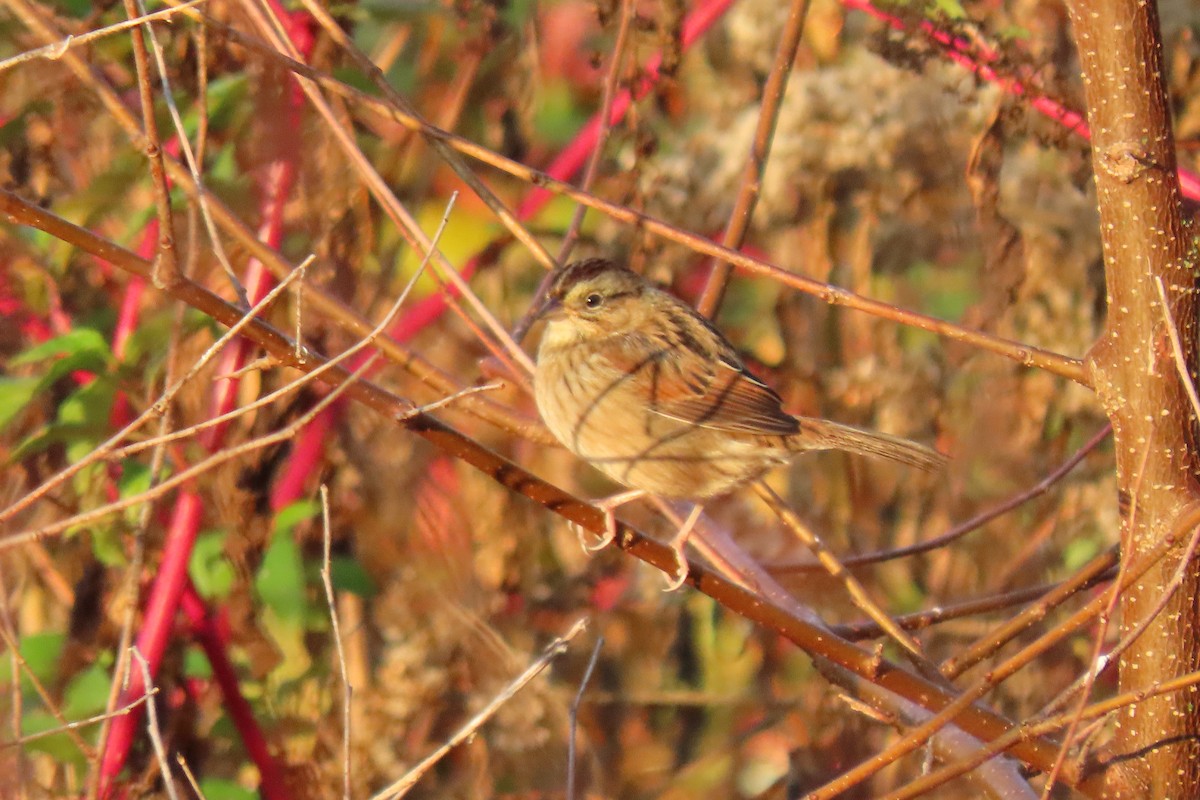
677	543
610	534
608	505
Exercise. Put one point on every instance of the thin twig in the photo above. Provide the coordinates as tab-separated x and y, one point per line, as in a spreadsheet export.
82	723
972	524
9	637
160	751
857	592
506	217
968	608
918	735
16	707
347	689
187	773
133	572
616	59
166	263
194	165
962	661
750	182
573	716
227	454
405	223
372	337
1039	727
552	651
53	52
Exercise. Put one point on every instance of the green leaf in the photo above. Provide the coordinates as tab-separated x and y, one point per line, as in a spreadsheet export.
210	571
134	480
1079	551
225	789
76	342
83	416
348	575
195	664
41	652
15	395
280	579
87	694
952	9
58	746
291	515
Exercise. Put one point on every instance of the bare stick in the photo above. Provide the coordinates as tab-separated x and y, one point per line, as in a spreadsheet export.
924	784
160	752
82	723
347	689
16	709
193	165
574	717
552	651
187	773
212	461
133	571
1176	347
981	605
107	448
593	164
448	399
9	637
975	522
166	264
452	159
756	161
857	592
53	52
371	337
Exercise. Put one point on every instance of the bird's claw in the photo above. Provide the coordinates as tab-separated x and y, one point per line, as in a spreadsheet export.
681	569
610	534
607	538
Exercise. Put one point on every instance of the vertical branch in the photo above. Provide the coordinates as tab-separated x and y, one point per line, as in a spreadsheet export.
166	262
1133	157
756	163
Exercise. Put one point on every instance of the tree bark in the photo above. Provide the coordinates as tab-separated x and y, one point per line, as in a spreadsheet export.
1135	374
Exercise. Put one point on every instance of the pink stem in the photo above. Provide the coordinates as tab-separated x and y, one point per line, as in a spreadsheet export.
157	622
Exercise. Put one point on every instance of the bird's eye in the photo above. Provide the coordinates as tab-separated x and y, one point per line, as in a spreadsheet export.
593	300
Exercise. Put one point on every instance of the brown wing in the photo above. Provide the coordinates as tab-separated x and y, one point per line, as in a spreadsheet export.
713	391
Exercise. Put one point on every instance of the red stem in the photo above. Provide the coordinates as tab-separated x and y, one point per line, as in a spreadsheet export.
157	622
212	639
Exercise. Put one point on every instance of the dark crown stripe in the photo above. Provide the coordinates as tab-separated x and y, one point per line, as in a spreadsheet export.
584	270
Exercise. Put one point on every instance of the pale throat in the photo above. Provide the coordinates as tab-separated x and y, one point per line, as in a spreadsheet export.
561	334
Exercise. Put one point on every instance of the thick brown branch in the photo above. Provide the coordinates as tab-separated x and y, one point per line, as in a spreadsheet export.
1134	375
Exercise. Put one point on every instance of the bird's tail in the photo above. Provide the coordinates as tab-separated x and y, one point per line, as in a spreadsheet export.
821	434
